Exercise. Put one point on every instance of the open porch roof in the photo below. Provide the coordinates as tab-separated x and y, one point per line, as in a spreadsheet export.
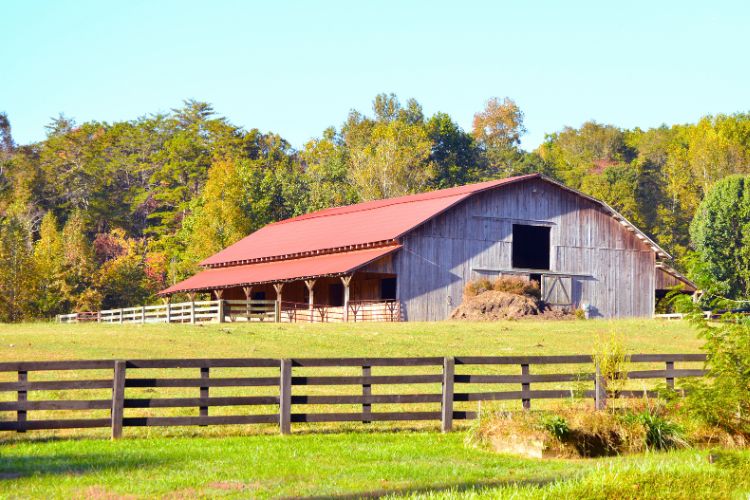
333	264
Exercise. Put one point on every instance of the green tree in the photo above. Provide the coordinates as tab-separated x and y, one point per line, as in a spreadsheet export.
498	130
78	261
720	234
49	261
454	153
17	271
220	218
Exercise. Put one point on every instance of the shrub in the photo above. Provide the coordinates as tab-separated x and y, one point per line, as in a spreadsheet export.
612	359
557	426
661	434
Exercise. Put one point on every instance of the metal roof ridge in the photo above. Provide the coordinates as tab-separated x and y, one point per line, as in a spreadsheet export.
400	200
306	254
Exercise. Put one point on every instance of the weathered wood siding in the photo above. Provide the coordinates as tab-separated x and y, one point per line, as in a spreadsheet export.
612	269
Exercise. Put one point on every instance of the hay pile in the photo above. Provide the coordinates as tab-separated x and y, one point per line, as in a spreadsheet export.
505	298
493	305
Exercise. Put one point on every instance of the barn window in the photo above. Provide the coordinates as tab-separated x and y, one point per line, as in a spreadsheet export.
530	247
388	289
259	296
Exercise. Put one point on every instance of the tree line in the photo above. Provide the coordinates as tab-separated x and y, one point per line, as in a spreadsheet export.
101	215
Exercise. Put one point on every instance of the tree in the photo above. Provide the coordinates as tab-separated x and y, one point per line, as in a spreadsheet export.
49	261
17	271
326	163
394	161
720	234
122	279
78	261
454	154
498	130
220	218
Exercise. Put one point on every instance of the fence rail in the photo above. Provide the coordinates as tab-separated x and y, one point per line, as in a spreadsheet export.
455	375
242	310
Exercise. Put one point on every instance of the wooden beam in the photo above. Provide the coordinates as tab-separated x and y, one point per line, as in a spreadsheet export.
278	288
346	280
310	284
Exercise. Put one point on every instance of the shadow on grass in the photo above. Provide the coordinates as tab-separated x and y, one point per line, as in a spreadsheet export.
475	486
16	467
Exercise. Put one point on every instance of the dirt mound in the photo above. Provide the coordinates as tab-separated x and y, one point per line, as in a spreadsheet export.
493	305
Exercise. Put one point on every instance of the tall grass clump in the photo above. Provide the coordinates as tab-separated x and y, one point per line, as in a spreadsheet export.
612	359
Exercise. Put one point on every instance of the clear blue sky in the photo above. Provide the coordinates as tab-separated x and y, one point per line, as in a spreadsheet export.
297	67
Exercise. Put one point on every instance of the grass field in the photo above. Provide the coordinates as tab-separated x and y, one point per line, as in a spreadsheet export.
421	465
251	461
35	341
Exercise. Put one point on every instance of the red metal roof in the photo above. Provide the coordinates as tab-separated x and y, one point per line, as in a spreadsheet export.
281	270
341	227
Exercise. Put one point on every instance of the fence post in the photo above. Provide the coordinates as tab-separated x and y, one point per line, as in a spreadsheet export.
22	396
285	397
525	387
366	391
449	369
120	315
221	310
600	389
169	312
118	399
192	309
203	410
670	377
143	314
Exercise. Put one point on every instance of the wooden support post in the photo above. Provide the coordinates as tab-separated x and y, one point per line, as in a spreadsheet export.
203	410
525	388
310	284
278	287
248	291
220	311
191	296
366	391
346	280
22	397
600	390
143	314
285	397
168	305
449	370
118	399
120	316
670	377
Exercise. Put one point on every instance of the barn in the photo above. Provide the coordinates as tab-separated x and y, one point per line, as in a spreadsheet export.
409	258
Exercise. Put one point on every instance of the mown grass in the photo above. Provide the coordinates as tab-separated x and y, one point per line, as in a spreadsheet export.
414	464
33	341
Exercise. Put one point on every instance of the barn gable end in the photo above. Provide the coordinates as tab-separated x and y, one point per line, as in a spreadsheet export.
602	261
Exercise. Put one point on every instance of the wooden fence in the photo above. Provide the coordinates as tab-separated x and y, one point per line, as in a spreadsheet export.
220	311
458	378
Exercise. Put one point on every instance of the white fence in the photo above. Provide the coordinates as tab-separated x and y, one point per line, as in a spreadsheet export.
182	312
220	311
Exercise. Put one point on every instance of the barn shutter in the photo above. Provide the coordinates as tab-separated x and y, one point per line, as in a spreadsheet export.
556	290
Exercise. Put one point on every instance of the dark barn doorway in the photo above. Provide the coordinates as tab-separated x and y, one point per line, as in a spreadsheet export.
530	247
388	289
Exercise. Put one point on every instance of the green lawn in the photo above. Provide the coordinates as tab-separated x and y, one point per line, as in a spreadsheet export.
324	459
32	341
429	465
